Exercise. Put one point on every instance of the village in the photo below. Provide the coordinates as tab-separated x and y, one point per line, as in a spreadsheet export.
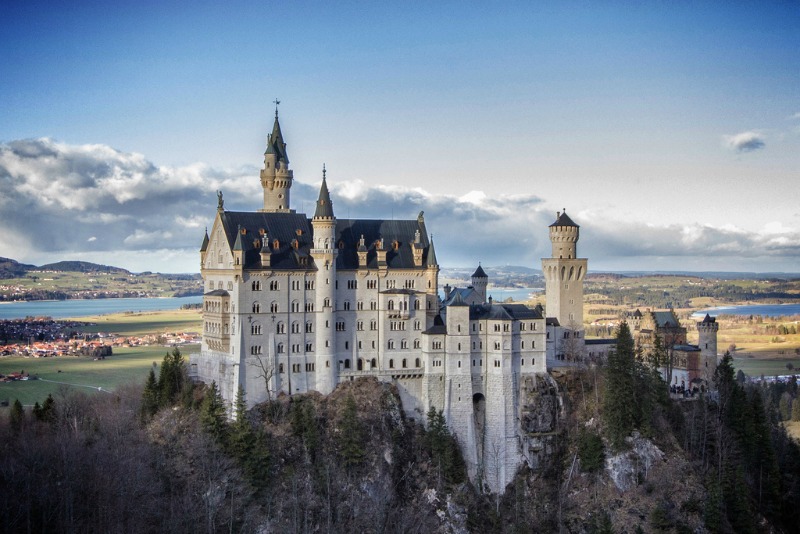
47	338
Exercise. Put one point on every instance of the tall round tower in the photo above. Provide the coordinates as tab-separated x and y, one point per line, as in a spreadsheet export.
707	335
276	177
480	280
564	273
324	252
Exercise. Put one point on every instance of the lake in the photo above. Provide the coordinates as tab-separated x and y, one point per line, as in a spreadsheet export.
767	310
59	309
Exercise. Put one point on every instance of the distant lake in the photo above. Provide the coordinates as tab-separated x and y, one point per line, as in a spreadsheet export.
769	310
59	309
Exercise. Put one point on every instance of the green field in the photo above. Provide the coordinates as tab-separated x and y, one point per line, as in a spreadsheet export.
140	323
126	365
756	367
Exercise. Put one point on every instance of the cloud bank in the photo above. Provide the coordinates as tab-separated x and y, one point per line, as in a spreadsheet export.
94	203
745	141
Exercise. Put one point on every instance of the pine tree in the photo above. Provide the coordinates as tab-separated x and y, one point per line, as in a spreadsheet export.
17	416
150	396
171	378
49	409
618	405
351	434
213	414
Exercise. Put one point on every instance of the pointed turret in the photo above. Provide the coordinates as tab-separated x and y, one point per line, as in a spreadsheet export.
204	246
480	280
276	177
432	255
324	205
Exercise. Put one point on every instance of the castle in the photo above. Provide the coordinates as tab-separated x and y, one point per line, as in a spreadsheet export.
294	304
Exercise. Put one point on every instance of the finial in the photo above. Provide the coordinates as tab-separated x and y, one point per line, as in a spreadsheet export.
323	172
565	210
276	102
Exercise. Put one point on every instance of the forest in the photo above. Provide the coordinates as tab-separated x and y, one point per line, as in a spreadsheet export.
165	457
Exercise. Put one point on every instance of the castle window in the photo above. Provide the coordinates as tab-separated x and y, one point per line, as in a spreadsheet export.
373	305
391	363
309	307
295	327
459	366
326	303
360	364
497	328
403	344
416	345
310	367
280	348
416	304
522	345
280	328
309	327
309	348
255	350
404	363
497	363
346	345
256	307
522	362
352	284
295	367
373	325
280	368
273	307
340	326
373	344
473	345
360	325
255	329
391	305
496	345
347	363
347	305
416	362
459	348
256	286
390	344
360	305
274	286
295	306
372	284
309	284
416	325
373	363
458	328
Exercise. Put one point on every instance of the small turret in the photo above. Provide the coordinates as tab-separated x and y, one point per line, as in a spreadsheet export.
480	281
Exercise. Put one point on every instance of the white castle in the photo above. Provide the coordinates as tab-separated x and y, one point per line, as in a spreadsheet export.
294	304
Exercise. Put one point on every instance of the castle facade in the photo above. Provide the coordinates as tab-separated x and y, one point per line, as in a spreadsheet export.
295	303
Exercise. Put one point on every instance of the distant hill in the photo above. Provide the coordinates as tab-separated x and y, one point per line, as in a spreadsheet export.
12	268
80	267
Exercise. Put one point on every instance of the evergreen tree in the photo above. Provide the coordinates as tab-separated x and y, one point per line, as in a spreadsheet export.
171	378
17	416
304	426
618	404
213	414
150	396
37	411
351	435
796	409
49	409
444	448
247	445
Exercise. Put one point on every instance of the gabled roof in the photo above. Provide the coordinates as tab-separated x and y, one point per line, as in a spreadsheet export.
438	326
204	246
563	220
503	312
479	273
666	319
464	294
397	235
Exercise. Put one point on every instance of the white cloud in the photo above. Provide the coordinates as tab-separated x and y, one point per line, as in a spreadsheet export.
796	116
92	201
745	141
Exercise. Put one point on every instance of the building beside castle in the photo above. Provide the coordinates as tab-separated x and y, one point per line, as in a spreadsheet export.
692	365
295	303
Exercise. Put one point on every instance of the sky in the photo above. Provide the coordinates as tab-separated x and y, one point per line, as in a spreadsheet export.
670	132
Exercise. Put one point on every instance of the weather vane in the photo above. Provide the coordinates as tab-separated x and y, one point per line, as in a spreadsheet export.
276	102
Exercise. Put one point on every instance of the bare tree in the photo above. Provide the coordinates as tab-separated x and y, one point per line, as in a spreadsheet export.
264	364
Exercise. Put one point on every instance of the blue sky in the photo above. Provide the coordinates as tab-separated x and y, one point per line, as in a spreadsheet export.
670	133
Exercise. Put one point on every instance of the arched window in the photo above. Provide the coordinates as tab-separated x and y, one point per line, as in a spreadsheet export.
256	307
391	304
280	328
347	363
273	307
295	327
416	362
360	364
391	364
404	363
255	329
280	348
373	363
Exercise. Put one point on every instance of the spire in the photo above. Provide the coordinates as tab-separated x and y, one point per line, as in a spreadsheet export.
563	220
204	246
275	144
432	255
237	245
324	204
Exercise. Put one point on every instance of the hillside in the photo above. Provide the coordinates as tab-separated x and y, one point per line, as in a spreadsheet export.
84	280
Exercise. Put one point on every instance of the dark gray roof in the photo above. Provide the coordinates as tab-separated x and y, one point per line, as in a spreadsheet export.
503	312
463	294
479	273
563	220
431	259
666	319
438	326
609	341
708	319
204	246
552	321
324	204
457	300
399	232
275	144
217	293
687	348
294	228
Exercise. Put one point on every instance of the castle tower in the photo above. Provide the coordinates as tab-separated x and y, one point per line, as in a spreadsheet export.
479	282
707	337
324	252
564	273
276	177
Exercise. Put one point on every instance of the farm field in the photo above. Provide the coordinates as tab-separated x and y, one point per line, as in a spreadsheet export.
141	323
126	365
